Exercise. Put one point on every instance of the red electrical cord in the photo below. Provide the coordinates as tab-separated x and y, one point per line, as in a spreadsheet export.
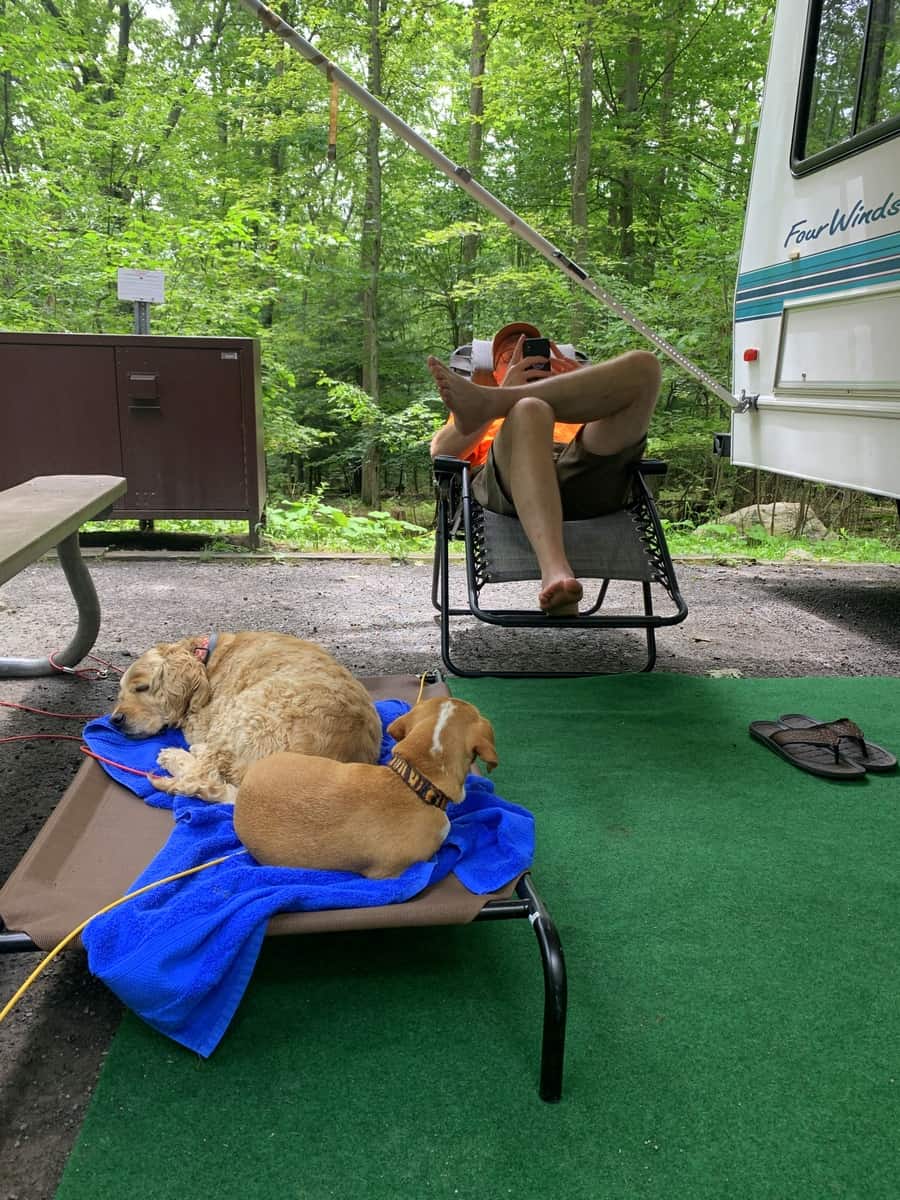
120	766
43	712
88	673
28	737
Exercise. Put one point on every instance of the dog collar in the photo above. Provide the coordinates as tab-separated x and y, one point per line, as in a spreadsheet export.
205	647
422	786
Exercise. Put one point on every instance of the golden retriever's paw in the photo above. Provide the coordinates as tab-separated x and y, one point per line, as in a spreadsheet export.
174	760
165	783
215	793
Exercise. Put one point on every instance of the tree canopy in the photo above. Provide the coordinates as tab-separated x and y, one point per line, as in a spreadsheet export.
180	135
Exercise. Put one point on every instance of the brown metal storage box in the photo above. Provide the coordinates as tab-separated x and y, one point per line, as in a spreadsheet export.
179	417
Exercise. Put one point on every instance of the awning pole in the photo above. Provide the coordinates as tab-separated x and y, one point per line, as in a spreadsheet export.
462	177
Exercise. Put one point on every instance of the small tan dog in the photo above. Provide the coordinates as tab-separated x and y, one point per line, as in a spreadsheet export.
239	697
295	810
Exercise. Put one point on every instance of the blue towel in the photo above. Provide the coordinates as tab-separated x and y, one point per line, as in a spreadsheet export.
181	955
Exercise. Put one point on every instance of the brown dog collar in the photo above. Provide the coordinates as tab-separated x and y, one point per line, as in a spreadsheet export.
422	786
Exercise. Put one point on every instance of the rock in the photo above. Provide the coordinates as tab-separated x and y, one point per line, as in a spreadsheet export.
784	523
798	554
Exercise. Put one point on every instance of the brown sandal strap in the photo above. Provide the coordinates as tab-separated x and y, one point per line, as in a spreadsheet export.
843	727
846	728
816	735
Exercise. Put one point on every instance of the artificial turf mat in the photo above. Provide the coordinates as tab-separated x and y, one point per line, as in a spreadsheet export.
730	929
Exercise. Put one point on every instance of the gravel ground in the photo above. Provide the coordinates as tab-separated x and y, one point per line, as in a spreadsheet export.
376	617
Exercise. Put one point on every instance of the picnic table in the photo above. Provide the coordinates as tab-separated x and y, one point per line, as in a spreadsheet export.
47	512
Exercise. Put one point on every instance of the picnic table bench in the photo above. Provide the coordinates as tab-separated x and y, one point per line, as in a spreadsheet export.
47	512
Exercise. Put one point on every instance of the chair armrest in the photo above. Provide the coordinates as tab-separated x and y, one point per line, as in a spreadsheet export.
445	466
651	466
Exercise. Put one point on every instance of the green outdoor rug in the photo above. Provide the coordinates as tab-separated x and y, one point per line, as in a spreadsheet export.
730	930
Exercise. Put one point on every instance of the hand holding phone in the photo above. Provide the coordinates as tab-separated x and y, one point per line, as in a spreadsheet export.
537	347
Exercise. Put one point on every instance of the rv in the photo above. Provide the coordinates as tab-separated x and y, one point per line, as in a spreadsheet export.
817	304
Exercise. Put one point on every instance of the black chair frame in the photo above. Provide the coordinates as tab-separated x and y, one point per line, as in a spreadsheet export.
460	516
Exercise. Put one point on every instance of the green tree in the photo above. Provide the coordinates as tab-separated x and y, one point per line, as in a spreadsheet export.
185	137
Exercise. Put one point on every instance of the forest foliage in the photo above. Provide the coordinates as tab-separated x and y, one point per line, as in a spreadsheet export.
181	136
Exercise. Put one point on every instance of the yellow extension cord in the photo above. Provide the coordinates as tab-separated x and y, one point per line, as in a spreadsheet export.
45	962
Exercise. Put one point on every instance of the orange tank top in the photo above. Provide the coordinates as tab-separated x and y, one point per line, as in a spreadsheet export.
476	456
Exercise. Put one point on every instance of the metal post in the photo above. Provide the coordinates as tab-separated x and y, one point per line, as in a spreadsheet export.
141	316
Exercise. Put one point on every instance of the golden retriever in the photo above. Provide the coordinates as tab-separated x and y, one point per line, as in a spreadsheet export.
240	697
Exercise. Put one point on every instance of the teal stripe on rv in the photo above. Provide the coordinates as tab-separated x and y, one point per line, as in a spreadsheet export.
825	260
771	306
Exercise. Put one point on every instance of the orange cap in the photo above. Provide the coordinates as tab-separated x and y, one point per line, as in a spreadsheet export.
510	333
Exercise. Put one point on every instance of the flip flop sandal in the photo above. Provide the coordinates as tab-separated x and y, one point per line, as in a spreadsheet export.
816	750
853	744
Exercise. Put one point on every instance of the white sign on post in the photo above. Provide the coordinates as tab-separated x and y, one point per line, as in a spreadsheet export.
144	286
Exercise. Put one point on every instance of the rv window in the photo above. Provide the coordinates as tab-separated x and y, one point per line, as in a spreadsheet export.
850	89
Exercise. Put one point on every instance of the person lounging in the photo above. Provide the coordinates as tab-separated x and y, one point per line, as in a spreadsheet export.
549	446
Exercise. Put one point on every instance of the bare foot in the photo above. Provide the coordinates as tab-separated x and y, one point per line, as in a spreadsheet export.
561	598
468	401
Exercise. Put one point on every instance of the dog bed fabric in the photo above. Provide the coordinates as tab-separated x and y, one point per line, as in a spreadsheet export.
181	955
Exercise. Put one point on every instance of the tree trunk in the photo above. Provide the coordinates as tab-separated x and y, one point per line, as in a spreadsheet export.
465	328
370	258
666	103
117	81
119	187
7	160
582	167
630	106
880	24
277	160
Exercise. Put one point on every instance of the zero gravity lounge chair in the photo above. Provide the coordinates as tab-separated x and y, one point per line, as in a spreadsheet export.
101	837
628	545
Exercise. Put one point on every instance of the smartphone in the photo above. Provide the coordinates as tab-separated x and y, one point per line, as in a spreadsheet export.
537	346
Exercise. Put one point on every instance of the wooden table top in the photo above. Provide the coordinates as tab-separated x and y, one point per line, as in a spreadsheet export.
37	515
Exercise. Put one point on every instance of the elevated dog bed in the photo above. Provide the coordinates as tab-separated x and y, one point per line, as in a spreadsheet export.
101	837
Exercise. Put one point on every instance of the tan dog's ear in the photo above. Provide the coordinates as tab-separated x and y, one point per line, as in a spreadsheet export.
483	744
155	679
399	726
185	681
202	693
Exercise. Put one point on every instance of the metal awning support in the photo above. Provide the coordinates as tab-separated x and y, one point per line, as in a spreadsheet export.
459	175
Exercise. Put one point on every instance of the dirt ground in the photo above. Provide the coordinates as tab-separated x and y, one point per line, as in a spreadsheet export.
376	617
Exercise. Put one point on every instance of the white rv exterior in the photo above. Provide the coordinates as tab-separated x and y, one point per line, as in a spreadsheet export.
818	293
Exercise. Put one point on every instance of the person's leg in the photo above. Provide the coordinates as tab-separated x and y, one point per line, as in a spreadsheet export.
591	393
609	435
595	470
523	458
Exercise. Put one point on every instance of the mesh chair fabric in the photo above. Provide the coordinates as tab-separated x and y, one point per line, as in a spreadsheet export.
609	547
